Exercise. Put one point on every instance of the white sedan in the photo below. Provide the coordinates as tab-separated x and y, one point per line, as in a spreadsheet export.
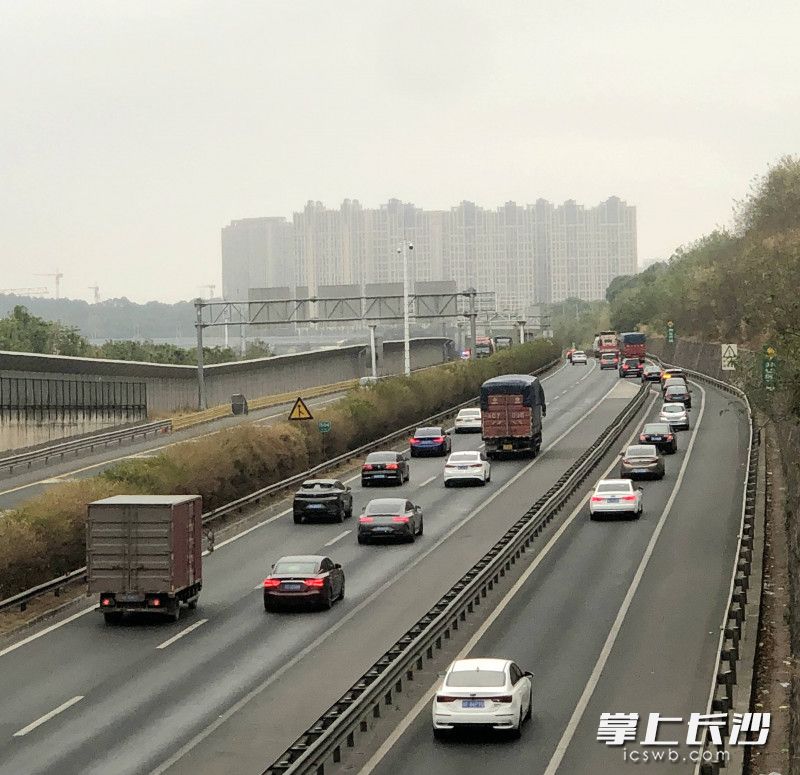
579	356
467	467
468	421
616	496
494	693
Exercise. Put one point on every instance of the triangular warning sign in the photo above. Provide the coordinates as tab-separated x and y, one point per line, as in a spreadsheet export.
300	411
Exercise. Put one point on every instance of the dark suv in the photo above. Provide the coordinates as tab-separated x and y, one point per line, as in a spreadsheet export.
630	367
322	498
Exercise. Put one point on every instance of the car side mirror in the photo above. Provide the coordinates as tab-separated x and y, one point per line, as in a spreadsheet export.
640	489
272	566
348	489
337	566
528	674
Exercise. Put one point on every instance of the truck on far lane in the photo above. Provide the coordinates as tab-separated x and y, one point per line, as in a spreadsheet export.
144	553
512	407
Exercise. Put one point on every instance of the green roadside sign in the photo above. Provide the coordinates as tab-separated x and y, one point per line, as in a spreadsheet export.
324	426
769	368
670	332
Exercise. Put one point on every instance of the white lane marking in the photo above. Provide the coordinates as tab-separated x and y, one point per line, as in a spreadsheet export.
408	719
428	481
286	666
283	513
145	453
569	732
338	538
47	716
190	628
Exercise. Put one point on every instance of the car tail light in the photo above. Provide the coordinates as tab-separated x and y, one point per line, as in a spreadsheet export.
366	467
392	466
669	437
316	583
501	698
106	601
597	498
271	583
642	437
400	519
445	698
629	497
362	518
439	439
154	601
413	440
476	465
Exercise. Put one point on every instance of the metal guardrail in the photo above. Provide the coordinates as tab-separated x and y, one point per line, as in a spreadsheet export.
22	599
722	696
87	442
337	728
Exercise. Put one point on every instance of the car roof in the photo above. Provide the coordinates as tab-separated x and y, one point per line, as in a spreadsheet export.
479	663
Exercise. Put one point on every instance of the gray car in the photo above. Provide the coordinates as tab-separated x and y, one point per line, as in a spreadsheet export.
390	518
641	461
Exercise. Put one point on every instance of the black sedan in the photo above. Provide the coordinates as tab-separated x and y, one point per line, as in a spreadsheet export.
651	372
322	499
660	435
390	518
430	441
630	367
303	580
385	468
641	461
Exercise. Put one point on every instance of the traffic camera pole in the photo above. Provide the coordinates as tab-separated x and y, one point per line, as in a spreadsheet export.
473	321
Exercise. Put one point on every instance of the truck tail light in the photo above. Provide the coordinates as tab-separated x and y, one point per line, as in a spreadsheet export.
106	601
155	602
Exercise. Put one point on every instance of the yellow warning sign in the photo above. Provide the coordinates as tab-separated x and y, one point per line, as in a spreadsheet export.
300	411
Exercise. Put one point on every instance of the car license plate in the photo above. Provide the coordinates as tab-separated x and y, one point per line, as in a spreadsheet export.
472	703
461	468
378	476
316	506
656	438
613	500
382	529
508	446
132	598
292	587
640	470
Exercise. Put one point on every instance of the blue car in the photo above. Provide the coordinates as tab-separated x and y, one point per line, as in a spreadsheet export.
430	441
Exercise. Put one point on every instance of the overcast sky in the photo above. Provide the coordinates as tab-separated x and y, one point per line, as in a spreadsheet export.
131	132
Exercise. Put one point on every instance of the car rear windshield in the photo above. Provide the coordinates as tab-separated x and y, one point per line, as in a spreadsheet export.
672	408
386	506
675	390
470	413
302	566
477	678
578	352
311	485
656	428
641	450
381	457
608	357
614	487
632	361
464	456
423	433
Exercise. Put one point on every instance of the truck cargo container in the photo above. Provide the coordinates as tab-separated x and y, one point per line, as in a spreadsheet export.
633	344
144	553
512	407
605	341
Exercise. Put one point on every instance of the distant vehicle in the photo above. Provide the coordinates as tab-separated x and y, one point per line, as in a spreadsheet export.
641	461
570	353
491	693
484	347
468	421
390	518
669	373
606	341
676	415
651	373
633	344
432	440
579	356
674	381
502	342
303	580
678	393
616	496
609	360
471	466
385	468
630	367
322	498
145	553
512	407
660	434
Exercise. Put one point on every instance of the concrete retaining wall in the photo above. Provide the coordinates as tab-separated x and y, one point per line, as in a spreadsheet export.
170	388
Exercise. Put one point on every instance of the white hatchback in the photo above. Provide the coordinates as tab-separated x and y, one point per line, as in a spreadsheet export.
616	496
677	415
494	693
469	466
468	421
579	357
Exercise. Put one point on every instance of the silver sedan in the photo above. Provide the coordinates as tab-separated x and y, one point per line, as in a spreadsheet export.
677	415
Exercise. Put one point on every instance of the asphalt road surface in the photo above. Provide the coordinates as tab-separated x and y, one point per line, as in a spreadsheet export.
229	687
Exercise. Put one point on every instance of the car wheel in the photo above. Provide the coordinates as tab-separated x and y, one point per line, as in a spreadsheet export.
400	480
298	520
349	514
327	602
483	481
192	603
516	732
421	527
362	539
530	707
364	483
341	594
269	607
439	734
175	613
489	476
341	514
593	517
447	483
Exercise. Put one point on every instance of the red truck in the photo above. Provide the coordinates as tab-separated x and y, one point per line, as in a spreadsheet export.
605	341
633	344
512	407
145	553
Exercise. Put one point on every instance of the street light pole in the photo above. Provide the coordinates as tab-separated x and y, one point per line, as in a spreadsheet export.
521	324
201	377
372	350
406	336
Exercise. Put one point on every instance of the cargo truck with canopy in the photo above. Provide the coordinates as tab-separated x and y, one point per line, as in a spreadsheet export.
512	407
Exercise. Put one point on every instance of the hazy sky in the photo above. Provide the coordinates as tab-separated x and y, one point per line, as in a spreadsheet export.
131	132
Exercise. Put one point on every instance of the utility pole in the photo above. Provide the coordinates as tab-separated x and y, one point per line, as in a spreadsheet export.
372	327
473	320
521	323
201	378
406	338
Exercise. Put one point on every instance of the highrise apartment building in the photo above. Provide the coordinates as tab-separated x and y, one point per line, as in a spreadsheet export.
526	254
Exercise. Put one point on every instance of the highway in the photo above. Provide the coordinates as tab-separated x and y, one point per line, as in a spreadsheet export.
229	687
612	616
25	484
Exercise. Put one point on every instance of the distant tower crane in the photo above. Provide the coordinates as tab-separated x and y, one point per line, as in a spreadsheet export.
58	275
26	291
96	290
